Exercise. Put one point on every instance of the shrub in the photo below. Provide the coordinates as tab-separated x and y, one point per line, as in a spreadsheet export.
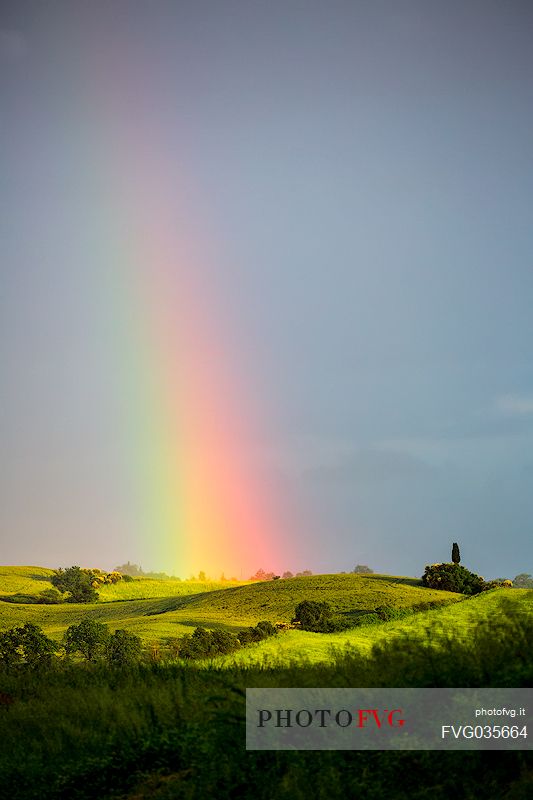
223	642
127	579
498	583
452	578
77	582
50	597
318	617
266	628
207	644
246	637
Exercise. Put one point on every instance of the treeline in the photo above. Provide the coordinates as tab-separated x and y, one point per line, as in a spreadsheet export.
136	571
208	644
91	641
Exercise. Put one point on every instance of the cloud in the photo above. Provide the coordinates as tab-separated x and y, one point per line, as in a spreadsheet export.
13	46
515	404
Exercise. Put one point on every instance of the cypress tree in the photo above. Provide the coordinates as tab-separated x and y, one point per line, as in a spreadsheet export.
456	556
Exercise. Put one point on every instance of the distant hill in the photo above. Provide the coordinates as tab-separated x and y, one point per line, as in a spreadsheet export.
24	580
167	608
348	594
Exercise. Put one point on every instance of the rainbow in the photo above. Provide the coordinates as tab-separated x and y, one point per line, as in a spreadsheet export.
191	424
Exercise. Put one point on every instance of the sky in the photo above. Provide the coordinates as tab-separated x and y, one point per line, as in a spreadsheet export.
291	238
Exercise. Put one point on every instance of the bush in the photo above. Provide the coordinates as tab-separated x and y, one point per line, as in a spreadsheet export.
266	628
123	648
127	579
452	578
317	617
498	584
246	636
261	631
207	644
77	582
50	597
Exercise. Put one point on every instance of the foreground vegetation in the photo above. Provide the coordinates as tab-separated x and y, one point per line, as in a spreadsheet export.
172	731
140	722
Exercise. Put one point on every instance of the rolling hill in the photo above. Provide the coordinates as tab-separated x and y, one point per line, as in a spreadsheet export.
162	609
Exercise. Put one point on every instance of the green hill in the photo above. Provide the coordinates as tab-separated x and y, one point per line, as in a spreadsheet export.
170	608
162	610
349	595
33	580
24	580
456	620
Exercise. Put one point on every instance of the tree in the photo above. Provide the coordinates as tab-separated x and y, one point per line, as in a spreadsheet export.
26	644
202	576
287	574
317	616
456	556
78	583
89	638
523	581
207	644
362	569
453	578
130	569
123	648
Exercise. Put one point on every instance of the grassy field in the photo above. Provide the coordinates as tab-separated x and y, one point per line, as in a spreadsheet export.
170	608
33	580
460	618
169	730
24	580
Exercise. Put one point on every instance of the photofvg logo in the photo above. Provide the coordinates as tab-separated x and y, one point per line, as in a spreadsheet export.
326	717
385	719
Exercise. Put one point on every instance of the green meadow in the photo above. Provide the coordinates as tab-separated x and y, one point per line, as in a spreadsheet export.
162	610
173	730
159	611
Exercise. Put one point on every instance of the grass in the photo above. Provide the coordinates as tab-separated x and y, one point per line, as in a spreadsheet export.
171	608
175	732
458	619
24	580
160	610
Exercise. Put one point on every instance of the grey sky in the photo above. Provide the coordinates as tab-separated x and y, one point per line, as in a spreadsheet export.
367	172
